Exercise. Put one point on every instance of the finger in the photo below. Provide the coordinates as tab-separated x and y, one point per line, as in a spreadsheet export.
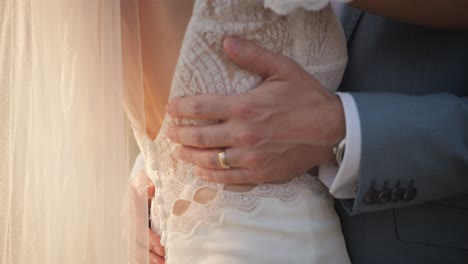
155	259
209	158
143	256
231	176
213	136
254	58
211	107
206	158
155	244
151	188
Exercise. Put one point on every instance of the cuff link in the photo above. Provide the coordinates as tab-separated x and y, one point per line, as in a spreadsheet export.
339	150
356	187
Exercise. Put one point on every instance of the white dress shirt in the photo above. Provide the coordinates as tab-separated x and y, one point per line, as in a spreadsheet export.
342	180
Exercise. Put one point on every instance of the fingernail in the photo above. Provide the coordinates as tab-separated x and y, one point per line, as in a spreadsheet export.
158	251
232	43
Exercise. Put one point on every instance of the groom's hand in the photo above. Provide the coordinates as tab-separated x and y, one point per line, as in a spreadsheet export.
279	130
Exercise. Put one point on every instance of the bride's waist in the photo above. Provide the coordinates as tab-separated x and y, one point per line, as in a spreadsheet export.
191	187
180	176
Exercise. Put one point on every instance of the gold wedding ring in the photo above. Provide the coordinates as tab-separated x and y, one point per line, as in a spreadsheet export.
222	160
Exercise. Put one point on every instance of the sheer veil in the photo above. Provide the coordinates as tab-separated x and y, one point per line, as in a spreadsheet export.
67	68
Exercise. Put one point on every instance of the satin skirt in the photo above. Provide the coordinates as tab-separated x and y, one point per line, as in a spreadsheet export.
306	230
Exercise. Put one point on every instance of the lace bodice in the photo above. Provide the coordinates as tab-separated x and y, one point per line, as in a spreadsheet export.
314	39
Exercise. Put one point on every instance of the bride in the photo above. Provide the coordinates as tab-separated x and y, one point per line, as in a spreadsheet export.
204	222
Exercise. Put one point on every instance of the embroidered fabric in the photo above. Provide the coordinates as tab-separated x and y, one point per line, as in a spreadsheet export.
313	39
284	7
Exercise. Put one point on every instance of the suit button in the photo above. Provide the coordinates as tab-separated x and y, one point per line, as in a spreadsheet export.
384	195
397	193
372	195
410	192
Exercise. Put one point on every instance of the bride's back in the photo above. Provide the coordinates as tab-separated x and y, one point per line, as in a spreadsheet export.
163	24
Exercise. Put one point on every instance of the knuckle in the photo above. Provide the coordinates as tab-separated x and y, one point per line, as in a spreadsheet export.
252	50
245	109
253	160
249	137
198	139
287	66
196	108
260	176
222	177
256	180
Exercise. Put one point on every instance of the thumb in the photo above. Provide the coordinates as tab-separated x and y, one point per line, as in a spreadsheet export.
253	58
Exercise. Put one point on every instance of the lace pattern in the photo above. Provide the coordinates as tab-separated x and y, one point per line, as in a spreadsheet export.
249	202
313	39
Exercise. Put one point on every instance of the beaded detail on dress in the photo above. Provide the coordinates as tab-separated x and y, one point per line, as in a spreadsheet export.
313	39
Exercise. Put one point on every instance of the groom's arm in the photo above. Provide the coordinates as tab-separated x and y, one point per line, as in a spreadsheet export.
420	138
414	150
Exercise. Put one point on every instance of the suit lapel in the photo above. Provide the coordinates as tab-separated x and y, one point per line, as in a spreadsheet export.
349	18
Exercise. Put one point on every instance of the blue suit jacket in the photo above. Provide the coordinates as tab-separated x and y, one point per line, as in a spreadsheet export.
411	89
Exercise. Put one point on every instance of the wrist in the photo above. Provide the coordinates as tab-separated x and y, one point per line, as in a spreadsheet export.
337	131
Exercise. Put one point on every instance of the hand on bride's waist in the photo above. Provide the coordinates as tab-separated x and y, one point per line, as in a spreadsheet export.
275	132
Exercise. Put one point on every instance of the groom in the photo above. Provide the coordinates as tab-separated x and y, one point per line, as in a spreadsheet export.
401	120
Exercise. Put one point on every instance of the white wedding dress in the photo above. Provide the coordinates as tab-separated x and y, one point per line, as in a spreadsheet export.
202	222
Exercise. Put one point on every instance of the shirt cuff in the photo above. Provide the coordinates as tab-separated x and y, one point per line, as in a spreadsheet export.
342	180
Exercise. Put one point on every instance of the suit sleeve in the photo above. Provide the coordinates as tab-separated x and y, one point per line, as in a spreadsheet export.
414	150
